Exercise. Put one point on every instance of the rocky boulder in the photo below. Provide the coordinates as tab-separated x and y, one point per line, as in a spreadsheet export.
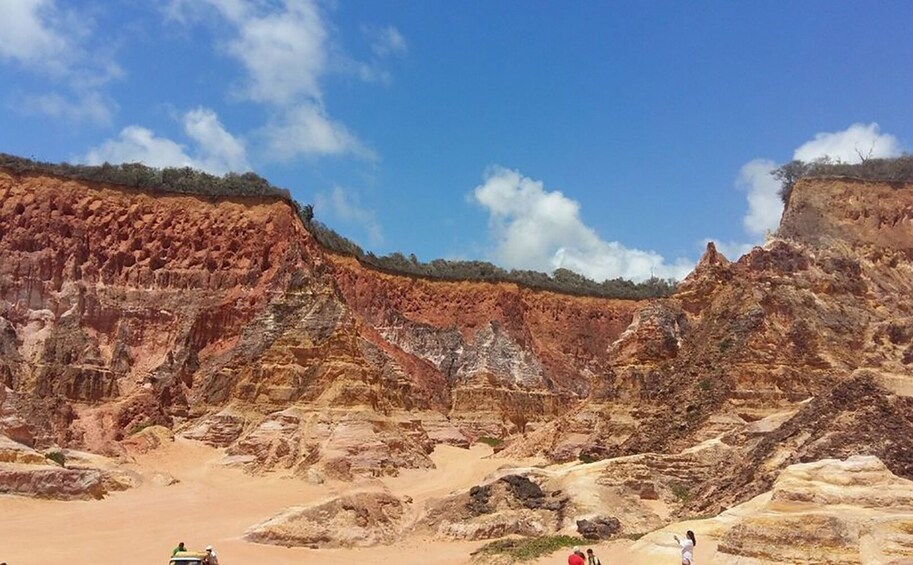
357	520
510	505
599	528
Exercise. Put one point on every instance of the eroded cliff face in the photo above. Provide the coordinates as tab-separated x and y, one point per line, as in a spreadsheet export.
222	318
801	349
510	355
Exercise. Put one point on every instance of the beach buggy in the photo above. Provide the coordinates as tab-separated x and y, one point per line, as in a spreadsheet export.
187	558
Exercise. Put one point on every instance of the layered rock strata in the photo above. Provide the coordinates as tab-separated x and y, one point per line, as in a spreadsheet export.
223	319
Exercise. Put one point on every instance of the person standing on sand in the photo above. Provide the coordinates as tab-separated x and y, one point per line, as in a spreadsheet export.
180	547
576	557
687	546
210	558
591	558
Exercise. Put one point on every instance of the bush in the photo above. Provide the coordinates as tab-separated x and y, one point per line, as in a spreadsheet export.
528	549
492	442
57	457
586	458
137	428
136	175
681	493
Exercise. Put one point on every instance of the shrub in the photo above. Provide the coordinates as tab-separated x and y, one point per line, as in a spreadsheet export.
182	180
137	428
57	457
527	549
490	441
681	492
586	458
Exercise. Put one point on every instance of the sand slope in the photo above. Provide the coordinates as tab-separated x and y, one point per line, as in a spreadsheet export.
213	505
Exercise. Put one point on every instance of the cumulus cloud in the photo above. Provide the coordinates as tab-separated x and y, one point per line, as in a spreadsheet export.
285	50
763	195
534	228
137	144
43	38
219	150
215	149
31	33
762	190
345	207
850	145
386	41
307	130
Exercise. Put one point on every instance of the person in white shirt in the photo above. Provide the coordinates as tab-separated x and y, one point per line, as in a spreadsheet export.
210	558
591	558
687	546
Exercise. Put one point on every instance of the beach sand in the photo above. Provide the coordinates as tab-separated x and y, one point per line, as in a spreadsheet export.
214	505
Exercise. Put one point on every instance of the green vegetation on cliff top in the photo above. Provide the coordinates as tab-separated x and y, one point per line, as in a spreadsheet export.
896	170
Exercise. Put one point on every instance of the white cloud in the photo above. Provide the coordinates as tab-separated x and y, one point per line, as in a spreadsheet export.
345	207
763	191
850	145
31	34
285	49
283	46
307	130
763	194
137	144
46	39
216	151
220	151
541	230
284	52
386	41
90	106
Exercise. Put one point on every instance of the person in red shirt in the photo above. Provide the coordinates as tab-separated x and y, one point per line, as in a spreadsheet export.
576	557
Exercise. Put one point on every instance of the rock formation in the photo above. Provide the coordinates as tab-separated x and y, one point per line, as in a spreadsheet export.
850	512
223	320
509	505
830	511
357	520
24	471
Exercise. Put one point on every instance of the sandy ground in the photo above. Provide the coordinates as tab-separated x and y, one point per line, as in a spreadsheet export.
215	505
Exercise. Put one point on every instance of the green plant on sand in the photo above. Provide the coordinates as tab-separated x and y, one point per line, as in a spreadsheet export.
527	549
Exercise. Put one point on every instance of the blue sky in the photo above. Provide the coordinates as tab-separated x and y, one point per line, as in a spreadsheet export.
610	138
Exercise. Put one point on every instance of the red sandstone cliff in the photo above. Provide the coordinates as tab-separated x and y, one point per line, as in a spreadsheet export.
800	350
224	319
